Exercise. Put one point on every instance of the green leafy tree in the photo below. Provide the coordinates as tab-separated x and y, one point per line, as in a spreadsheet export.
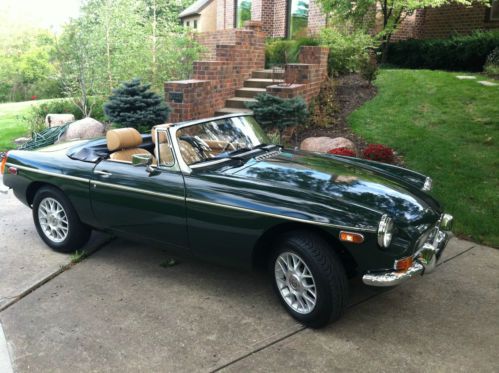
27	64
78	66
393	12
276	112
133	104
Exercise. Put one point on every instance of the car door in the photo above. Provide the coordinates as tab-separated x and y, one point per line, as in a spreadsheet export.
135	203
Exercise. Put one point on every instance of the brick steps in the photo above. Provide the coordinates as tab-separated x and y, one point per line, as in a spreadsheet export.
249	92
238	102
261	83
227	110
268	74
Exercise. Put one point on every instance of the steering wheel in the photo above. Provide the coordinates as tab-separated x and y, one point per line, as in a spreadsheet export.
197	144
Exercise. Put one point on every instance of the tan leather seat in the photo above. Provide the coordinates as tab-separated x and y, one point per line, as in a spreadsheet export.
123	144
189	154
162	150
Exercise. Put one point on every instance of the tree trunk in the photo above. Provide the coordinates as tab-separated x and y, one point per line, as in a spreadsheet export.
108	46
153	47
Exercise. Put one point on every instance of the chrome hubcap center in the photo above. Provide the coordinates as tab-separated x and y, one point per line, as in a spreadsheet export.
295	282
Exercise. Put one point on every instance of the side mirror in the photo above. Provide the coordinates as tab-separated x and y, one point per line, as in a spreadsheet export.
141	160
145	160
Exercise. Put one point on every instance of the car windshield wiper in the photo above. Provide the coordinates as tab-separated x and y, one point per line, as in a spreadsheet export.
237	152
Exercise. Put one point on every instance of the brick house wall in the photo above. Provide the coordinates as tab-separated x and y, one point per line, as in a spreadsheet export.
272	14
442	22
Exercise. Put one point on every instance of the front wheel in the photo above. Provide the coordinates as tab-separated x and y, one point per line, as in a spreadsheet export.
309	279
57	222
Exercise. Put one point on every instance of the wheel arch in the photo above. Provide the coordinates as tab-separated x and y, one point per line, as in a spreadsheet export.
34	187
263	246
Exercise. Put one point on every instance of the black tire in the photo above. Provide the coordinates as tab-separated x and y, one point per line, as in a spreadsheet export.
77	232
331	285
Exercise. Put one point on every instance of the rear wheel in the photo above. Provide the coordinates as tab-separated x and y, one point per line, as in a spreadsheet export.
57	222
309	279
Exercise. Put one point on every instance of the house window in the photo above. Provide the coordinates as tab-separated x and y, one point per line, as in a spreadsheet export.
494	11
243	12
195	23
297	17
187	24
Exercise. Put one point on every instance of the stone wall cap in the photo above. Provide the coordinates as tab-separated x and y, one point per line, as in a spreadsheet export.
187	81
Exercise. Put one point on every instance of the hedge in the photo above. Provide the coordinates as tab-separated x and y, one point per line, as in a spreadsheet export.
458	53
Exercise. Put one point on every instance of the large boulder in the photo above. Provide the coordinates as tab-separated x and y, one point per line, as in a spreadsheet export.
85	128
55	120
324	144
22	140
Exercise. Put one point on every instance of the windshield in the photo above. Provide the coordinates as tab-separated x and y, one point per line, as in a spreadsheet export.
221	138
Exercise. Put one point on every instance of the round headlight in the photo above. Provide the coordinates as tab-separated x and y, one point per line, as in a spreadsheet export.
385	231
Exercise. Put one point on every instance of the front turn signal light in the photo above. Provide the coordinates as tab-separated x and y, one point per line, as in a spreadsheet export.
403	264
351	237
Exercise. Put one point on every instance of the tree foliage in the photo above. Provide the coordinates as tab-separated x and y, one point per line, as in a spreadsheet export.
27	64
134	105
111	41
393	12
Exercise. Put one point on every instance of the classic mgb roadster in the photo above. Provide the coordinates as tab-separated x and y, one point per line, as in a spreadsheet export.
217	189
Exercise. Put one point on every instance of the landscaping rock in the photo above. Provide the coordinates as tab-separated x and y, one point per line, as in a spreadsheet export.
56	120
85	128
21	140
325	144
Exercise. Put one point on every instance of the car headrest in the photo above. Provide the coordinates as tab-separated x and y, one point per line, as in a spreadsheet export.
162	136
123	138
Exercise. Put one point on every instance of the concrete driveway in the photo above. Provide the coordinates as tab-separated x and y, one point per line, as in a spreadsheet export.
124	309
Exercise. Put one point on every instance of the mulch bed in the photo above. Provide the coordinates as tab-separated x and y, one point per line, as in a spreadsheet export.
352	91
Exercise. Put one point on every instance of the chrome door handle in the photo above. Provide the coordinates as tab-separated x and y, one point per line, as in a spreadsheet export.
103	173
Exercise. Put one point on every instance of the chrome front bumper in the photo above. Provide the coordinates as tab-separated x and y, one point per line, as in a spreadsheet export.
425	261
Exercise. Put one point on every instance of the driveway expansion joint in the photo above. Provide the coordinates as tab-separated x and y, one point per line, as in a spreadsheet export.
47	279
261	348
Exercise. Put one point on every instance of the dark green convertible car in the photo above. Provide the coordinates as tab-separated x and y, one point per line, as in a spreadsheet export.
216	189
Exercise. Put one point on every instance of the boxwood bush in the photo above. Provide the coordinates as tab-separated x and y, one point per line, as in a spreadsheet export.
458	53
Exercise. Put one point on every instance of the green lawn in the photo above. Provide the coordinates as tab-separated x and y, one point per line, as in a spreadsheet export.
445	128
11	127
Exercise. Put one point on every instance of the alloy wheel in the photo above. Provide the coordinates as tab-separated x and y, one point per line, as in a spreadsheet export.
295	282
53	220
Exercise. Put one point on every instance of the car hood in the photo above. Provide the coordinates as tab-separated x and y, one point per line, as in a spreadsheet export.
351	183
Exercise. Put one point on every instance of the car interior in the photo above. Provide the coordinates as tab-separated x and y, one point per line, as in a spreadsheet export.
122	143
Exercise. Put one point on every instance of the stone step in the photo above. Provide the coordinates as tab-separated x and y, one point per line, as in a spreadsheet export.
261	83
249	92
268	74
238	102
227	110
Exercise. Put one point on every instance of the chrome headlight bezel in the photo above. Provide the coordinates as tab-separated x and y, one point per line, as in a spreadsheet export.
385	231
446	222
428	185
